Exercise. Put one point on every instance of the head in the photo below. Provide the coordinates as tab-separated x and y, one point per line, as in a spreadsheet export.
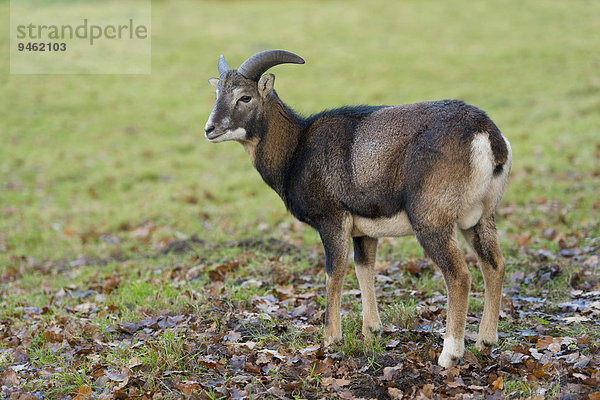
241	95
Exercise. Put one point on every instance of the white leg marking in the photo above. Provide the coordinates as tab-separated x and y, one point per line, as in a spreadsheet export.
453	351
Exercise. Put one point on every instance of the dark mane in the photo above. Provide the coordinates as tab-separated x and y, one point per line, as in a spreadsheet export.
358	112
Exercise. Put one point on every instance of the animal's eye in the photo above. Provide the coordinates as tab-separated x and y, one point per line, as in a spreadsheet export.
245	99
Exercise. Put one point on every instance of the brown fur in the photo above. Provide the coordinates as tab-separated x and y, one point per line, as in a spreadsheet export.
361	172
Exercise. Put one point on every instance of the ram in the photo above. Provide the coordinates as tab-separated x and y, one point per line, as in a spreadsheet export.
428	169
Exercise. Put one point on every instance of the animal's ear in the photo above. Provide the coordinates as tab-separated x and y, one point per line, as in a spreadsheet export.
265	84
213	82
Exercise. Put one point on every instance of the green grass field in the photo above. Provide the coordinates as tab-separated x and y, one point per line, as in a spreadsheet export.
114	209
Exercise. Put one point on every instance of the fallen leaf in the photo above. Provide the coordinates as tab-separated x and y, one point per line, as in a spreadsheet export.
498	384
276	391
582	362
134	362
389	373
116	375
188	387
347	395
543	343
111	282
395	394
576	318
232	336
9	378
591	261
580	376
208	361
85	308
129	327
54	334
457	382
426	392
248	345
143	232
84	392
412	268
554	347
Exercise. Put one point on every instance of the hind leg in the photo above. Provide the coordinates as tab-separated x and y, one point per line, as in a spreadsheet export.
483	239
441	246
365	252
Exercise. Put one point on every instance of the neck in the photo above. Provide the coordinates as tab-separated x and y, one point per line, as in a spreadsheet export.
272	155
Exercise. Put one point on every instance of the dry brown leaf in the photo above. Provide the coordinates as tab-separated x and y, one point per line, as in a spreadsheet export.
208	362
426	392
134	362
219	272
276	391
112	282
554	347
347	395
524	240
188	387
342	382
248	345
591	261
471	358
84	392
54	334
389	373
412	268
232	336
395	394
471	259
117	376
85	308
541	372
9	378
143	232
576	318
544	342
457	382
27	396
334	383
498	384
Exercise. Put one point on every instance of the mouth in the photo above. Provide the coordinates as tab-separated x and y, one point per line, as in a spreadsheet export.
212	136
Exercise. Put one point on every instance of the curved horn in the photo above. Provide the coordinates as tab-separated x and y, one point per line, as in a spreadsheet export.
255	66
223	67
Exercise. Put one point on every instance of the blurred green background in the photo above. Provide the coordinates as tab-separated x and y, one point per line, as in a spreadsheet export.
86	157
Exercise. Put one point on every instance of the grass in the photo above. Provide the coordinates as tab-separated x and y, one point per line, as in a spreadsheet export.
98	172
400	314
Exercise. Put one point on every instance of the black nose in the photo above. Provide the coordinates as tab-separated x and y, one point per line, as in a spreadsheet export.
209	129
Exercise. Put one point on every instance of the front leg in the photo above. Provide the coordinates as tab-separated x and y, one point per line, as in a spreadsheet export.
335	238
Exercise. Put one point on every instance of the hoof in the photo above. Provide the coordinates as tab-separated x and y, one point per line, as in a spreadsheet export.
453	351
370	332
448	361
483	345
331	339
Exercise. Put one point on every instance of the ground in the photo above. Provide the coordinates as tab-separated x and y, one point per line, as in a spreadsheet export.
137	260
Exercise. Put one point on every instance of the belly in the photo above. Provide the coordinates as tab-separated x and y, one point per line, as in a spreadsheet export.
395	226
